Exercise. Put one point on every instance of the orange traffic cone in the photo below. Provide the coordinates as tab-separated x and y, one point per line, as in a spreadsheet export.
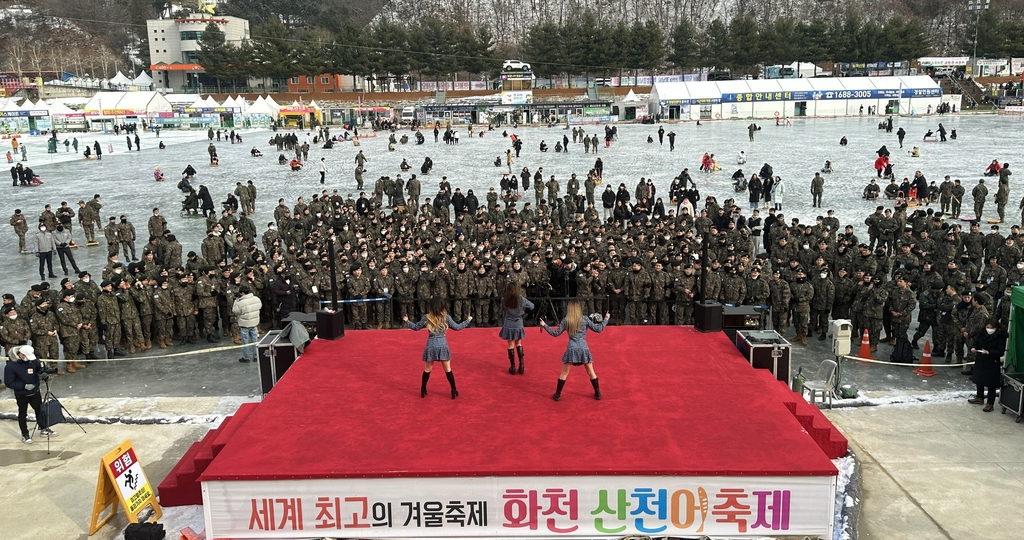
865	347
926	362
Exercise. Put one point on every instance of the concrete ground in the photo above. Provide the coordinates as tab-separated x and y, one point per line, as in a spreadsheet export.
932	466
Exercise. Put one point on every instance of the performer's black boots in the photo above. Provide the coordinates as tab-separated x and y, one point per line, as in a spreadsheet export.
519	349
558	393
451	381
423	384
511	362
597	389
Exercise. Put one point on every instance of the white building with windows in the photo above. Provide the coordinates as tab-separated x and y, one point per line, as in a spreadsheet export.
174	47
783	98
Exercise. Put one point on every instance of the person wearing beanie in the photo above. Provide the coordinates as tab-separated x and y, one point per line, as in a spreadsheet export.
21	374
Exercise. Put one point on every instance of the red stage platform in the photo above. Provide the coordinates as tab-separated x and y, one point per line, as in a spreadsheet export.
684	417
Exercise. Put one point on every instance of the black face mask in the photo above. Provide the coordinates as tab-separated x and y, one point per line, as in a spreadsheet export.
801	279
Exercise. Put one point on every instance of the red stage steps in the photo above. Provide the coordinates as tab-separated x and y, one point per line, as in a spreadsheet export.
827	437
181	487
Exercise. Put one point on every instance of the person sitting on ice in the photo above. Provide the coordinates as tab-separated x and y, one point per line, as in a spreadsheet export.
214	160
929	134
190	205
543	146
915	152
872	190
892	190
162	145
993	168
843	141
255	152
650	139
558	146
405	165
295	164
281	160
158	175
741	158
952	134
497	161
189	171
827	169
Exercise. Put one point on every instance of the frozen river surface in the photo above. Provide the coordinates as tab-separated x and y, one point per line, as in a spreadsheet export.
125	180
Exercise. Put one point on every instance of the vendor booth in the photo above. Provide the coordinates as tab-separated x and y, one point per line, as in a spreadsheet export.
261	113
65	118
106	109
300	115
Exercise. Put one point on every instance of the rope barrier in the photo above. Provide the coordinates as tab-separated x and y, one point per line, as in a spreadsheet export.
159	356
872	361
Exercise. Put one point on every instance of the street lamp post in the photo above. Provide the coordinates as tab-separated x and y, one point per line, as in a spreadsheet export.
977	7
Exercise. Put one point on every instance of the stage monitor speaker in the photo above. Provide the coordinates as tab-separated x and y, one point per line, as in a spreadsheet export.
330	325
707	317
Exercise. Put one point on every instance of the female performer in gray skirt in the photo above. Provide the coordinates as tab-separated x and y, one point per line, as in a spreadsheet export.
514	305
437	321
577	353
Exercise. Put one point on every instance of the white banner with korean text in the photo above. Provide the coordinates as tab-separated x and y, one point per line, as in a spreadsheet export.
589	506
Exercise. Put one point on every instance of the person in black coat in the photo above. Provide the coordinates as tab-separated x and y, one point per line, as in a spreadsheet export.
282	289
988	348
206	201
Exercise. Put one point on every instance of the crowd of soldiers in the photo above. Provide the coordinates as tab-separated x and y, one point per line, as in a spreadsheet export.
631	257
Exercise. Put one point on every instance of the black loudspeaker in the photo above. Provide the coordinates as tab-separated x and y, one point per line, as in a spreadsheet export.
707	317
330	324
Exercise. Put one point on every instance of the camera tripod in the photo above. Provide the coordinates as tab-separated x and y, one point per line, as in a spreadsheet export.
49	397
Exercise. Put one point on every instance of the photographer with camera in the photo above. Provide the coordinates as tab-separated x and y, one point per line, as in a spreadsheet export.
22	374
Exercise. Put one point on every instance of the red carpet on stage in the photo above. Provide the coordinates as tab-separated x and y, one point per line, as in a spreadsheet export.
676	402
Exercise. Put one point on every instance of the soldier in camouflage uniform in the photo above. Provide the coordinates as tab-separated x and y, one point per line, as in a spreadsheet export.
802	292
874	305
358	289
902	302
483	291
44	333
163	313
424	284
927	317
405	291
142	293
637	289
185	308
69	320
661	281
821	305
974	326
110	233
126	235
207	289
384	285
758	290
685	287
110	319
779	302
462	288
131	327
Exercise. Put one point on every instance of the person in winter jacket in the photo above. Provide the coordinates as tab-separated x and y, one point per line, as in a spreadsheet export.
21	374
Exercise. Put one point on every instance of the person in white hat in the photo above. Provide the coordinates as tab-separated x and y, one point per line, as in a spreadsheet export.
21	374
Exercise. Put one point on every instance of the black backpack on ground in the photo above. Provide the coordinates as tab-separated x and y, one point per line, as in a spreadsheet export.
902	352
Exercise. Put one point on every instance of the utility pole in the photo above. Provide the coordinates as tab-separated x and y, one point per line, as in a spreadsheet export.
977	7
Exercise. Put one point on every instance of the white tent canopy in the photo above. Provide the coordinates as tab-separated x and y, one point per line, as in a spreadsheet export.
210	102
120	79
127	104
143	79
272	104
261	107
630	97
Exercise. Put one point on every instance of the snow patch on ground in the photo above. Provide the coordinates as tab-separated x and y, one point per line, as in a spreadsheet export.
903	399
846	502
